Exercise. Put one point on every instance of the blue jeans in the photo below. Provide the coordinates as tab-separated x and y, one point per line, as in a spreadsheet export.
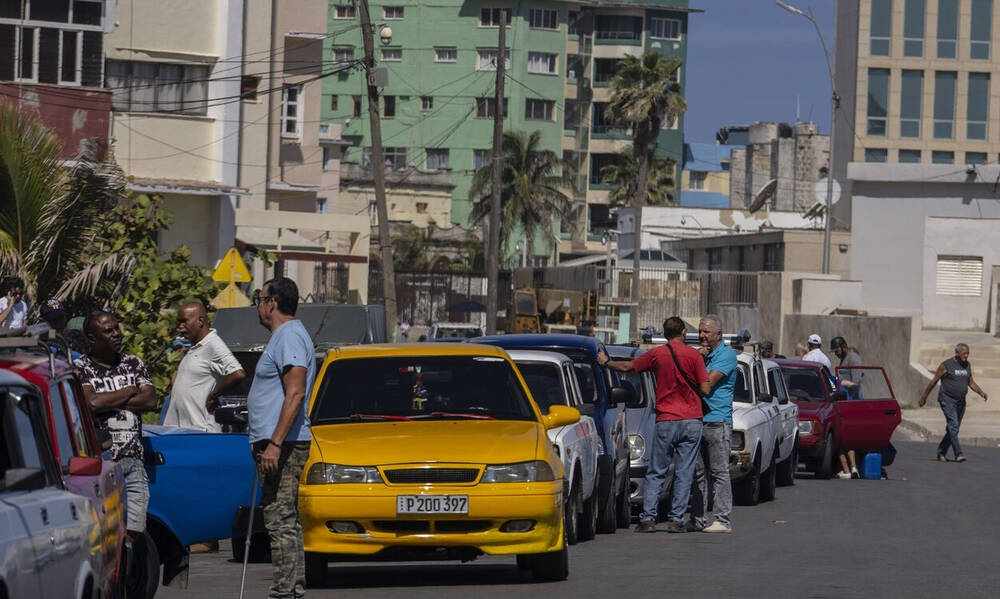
954	411
677	442
716	439
136	493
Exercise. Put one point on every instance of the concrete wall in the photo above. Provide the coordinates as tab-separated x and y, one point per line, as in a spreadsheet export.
769	310
823	296
881	340
950	236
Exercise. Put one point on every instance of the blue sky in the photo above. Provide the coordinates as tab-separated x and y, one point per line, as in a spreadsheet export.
748	60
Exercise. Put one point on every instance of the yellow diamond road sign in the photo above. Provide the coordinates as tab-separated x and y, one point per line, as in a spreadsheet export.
232	269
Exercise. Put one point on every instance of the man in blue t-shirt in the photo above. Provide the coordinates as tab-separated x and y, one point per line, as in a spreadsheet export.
279	428
717	430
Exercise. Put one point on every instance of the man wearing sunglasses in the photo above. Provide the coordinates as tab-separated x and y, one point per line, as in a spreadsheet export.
13	310
279	428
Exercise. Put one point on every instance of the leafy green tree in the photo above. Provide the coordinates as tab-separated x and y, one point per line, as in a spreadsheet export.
644	95
533	182
624	173
410	249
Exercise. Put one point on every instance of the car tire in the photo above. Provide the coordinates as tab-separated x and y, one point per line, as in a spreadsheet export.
769	480
824	467
588	519
552	566
606	520
524	562
786	469
571	511
316	569
142	571
747	491
623	506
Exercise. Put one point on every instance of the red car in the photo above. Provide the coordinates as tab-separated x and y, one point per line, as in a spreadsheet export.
78	451
835	415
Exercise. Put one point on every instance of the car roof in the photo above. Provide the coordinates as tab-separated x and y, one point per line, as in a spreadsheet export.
34	366
540	340
627	352
10	378
790	363
769	364
457	325
531	355
384	350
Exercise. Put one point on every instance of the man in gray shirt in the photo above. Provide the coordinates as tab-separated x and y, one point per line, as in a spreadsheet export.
850	379
955	375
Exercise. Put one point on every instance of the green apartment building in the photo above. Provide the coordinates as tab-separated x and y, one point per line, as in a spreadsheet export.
437	107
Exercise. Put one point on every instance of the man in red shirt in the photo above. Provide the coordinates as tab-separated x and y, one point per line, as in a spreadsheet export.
681	381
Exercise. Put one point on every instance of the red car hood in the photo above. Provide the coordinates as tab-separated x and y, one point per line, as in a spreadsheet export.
808	410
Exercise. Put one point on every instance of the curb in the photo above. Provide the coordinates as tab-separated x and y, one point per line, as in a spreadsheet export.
914	431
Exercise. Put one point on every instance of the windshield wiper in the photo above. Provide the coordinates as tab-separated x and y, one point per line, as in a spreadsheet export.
462	415
379	417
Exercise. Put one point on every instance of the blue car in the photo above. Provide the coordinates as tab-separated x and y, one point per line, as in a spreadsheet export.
610	396
641	422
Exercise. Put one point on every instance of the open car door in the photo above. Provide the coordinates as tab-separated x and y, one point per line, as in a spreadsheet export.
870	413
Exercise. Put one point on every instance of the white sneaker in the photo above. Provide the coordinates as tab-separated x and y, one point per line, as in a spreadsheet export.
844	475
718	527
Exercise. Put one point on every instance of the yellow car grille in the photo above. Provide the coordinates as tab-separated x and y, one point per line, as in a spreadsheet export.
432	475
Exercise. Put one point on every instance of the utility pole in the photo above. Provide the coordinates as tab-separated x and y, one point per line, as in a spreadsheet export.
378	173
493	247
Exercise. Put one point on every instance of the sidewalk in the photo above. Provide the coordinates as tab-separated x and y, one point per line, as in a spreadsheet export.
980	427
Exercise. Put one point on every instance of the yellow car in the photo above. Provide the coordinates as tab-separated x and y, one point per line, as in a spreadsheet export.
431	451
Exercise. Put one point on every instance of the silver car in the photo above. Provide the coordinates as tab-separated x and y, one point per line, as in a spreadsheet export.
48	536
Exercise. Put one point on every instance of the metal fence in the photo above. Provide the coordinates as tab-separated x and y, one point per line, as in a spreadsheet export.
424	297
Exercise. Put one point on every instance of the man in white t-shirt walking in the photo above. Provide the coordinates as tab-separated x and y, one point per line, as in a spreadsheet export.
815	353
13	310
207	369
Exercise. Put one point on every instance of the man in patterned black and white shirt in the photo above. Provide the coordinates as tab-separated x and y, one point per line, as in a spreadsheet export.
119	390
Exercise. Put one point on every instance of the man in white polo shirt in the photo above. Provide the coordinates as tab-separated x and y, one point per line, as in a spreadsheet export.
207	369
815	353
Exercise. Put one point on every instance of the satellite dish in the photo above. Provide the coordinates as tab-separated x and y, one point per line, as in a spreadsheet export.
761	197
819	190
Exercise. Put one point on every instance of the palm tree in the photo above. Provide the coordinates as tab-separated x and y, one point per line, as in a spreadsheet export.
533	181
50	212
644	94
624	173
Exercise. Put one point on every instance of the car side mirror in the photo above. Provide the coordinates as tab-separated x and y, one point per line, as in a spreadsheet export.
765	397
783	399
23	479
839	395
84	466
104	438
623	393
560	416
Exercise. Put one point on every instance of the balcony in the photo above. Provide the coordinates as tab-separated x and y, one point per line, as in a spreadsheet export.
618	38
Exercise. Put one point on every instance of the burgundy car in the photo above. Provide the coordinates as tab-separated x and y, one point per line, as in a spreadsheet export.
79	453
834	416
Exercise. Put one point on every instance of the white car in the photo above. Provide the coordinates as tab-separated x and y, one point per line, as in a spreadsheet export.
756	433
552	381
453	331
788	437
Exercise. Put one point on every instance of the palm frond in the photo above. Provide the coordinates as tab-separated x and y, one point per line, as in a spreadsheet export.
111	270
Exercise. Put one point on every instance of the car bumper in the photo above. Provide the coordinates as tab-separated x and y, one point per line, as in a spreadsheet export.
480	529
740	464
637	483
810	446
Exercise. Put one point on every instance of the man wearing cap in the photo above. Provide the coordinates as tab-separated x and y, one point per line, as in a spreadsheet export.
54	313
815	353
767	351
850	360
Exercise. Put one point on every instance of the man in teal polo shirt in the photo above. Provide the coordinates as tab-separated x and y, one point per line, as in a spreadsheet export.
717	430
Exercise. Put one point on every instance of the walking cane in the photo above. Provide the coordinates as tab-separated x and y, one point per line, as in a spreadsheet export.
253	507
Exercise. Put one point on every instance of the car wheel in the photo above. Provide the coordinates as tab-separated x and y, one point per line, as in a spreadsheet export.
624	508
748	489
824	468
524	562
142	569
552	566
786	469
769	481
588	520
571	511
315	570
606	521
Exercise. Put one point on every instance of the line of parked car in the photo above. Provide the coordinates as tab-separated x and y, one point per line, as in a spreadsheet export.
515	445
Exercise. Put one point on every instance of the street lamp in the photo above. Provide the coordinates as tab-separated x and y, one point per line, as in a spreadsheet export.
385	35
834	105
701	229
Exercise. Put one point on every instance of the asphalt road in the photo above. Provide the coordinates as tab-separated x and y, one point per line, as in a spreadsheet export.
929	531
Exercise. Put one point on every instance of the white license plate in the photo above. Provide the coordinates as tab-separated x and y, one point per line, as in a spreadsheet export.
432	504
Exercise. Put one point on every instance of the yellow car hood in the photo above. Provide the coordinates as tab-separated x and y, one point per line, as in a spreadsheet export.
449	441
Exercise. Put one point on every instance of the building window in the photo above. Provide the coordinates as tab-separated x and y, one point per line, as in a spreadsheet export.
772	257
334	104
947	28
395	157
543	18
960	275
597	164
539	110
975	158
909	156
356	112
157	87
664	29
574	66
542	63
910	103
878	101
389	106
618	27
481	158
979	29
426	103
291	111
490	17
913	28
343	11
602	123
696	179
392	54
942	157
445	54
392	12
881	27
876	155
714	258
438	159
248	87
485	108
605	70
572	19
342	54
487	59
944	104
978	108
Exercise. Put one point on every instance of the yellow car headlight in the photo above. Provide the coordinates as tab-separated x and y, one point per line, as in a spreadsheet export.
522	472
327	474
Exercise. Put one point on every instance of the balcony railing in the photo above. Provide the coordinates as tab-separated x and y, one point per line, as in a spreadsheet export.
611	34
